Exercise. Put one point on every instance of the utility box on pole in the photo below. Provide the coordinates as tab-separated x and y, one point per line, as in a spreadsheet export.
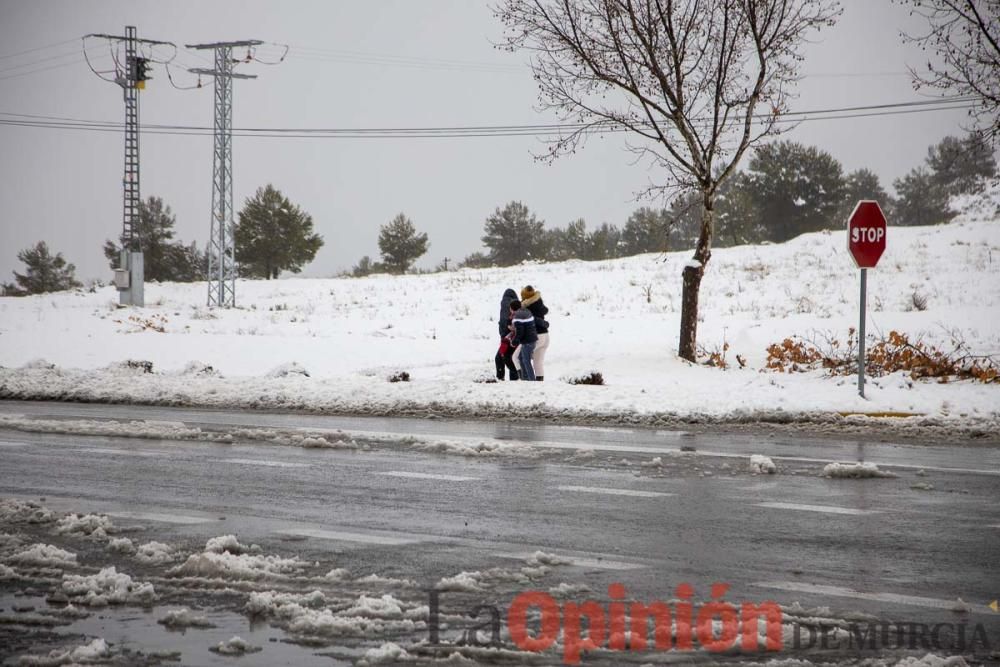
130	275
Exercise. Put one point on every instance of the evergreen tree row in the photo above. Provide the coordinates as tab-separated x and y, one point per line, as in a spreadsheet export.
788	189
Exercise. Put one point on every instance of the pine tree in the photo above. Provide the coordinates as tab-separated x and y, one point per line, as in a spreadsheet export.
365	267
795	189
568	243
603	243
962	166
163	260
476	260
514	234
920	200
864	184
400	244
45	272
646	230
739	219
273	235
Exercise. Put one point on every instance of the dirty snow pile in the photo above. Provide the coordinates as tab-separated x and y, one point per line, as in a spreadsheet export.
387	653
331	344
858	470
225	557
153	429
177	619
91	525
154	553
762	465
107	587
44	555
308	615
537	565
18	511
236	646
95	651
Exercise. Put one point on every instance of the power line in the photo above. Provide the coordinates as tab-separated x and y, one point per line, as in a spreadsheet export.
73	54
471	131
37	48
41	69
361	57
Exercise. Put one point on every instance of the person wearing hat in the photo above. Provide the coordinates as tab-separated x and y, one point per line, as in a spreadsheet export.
531	299
525	337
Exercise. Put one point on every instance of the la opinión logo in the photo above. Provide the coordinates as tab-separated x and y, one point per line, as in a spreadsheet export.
535	621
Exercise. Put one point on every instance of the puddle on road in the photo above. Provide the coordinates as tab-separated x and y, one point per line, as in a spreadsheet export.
137	630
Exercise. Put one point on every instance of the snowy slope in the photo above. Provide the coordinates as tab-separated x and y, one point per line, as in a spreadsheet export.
350	334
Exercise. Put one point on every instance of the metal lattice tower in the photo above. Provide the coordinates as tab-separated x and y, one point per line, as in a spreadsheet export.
221	243
130	220
131	77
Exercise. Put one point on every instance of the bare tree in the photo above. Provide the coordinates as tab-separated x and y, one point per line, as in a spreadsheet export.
693	82
964	36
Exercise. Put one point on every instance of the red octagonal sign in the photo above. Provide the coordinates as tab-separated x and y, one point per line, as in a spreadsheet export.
866	234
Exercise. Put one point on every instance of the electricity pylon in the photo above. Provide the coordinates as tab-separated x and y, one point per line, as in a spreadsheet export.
221	242
132	77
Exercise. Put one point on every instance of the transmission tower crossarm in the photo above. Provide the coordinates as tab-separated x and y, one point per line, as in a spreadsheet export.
216	45
137	40
212	72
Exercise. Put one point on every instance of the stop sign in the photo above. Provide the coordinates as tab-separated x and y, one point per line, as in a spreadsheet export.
866	234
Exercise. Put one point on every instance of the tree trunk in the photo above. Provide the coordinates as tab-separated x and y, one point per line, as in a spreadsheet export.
693	274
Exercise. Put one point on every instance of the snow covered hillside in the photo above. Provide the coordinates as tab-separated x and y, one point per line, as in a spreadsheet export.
619	317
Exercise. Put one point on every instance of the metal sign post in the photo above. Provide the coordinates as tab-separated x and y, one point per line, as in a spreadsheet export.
866	232
861	334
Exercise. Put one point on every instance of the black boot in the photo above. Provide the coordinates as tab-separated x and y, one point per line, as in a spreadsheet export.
539	378
513	375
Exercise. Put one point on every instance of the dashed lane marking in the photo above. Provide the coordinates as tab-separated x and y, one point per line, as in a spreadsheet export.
120	452
614	492
261	462
162	518
826	509
346	536
428	475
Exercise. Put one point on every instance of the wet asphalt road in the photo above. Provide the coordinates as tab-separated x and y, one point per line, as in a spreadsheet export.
875	546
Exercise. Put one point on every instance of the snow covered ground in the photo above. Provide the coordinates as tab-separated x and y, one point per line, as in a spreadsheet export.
331	344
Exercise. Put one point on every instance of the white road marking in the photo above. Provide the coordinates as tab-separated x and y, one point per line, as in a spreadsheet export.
118	452
594	563
260	462
4	443
162	518
826	509
838	591
345	536
427	475
614	492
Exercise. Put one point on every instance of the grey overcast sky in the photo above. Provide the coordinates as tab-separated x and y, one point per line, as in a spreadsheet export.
366	64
